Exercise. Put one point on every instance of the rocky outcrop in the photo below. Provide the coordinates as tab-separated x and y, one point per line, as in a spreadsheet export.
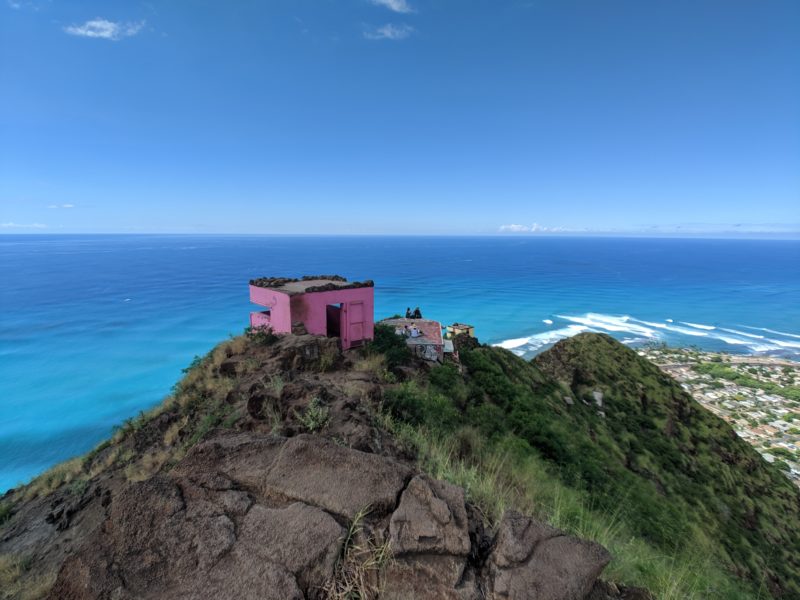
429	539
341	480
534	560
250	515
275	480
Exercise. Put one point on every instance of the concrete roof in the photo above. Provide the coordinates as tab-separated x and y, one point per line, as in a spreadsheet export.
431	330
308	284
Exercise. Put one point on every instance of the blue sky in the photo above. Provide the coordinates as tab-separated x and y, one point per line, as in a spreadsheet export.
400	116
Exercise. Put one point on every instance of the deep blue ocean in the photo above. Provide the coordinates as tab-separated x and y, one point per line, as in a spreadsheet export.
94	329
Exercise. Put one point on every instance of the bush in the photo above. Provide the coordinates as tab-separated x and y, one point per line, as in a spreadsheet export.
197	362
315	416
412	404
328	359
447	380
391	345
261	336
5	512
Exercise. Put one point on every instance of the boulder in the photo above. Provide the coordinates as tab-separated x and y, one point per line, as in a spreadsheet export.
532	560
303	539
167	538
255	516
429	537
339	480
431	518
242	457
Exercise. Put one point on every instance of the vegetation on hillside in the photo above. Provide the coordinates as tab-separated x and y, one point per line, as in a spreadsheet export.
588	436
604	444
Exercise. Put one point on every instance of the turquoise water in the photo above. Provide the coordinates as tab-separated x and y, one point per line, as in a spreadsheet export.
96	328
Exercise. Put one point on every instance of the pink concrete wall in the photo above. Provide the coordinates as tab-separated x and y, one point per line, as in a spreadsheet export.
280	319
259	319
311	310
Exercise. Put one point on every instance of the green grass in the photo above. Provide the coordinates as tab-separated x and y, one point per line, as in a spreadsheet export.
502	475
652	474
392	346
315	416
5	512
16	581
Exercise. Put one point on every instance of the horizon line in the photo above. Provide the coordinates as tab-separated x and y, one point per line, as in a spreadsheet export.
786	236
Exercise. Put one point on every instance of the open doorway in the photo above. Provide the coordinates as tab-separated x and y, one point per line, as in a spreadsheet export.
333	314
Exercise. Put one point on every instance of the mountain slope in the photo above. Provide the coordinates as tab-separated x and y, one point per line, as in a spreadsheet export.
267	475
616	426
299	433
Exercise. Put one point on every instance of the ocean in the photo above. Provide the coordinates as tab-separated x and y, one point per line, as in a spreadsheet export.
94	329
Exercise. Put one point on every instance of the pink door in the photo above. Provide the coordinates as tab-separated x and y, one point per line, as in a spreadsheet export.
355	323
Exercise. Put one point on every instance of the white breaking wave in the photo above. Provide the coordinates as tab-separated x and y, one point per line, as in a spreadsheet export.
675	328
515	343
633	331
785	344
793	335
699	326
610	323
536	341
750	335
734	341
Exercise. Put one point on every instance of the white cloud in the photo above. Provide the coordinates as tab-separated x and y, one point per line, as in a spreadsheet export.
389	32
105	29
514	228
61	206
535	228
12	225
399	6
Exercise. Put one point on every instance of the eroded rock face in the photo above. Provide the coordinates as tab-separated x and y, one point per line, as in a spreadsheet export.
429	539
338	479
431	518
533	560
251	515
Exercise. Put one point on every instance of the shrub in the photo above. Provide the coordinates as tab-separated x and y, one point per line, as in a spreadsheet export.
315	416
412	404
508	474
375	364
391	345
196	363
261	336
328	359
448	380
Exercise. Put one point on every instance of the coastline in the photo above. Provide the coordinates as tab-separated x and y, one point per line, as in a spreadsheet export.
733	339
130	313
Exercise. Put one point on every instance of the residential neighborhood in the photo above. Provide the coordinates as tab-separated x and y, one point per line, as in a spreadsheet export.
759	396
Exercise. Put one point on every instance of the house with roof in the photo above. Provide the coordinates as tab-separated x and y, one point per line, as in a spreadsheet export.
423	337
326	305
455	329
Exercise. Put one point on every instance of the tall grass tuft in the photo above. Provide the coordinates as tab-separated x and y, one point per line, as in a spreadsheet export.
359	571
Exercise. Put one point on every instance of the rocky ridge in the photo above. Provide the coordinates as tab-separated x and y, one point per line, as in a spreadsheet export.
248	515
255	505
